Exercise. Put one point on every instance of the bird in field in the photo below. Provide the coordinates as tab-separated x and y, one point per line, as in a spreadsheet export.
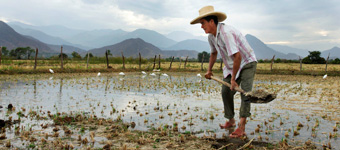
199	75
143	72
98	74
51	71
122	73
152	74
325	76
164	74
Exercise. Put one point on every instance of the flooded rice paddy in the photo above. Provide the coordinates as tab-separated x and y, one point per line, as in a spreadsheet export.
306	110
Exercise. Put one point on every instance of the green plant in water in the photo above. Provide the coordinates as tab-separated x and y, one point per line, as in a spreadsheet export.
31	145
187	132
113	110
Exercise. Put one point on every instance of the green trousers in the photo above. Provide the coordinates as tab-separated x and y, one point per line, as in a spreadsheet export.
245	81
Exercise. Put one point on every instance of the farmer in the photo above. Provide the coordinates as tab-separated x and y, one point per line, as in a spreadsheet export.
239	64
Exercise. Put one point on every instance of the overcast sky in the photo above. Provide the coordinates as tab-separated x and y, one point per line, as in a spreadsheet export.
306	24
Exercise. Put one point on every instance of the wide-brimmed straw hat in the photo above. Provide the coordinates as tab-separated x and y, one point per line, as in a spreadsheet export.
208	11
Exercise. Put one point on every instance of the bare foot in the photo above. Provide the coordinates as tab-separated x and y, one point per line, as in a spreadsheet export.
227	125
237	133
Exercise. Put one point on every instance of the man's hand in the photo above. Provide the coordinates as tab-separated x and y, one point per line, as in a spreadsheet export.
208	75
233	84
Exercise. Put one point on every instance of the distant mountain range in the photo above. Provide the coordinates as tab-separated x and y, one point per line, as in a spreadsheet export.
191	44
132	48
179	36
262	51
12	39
178	43
287	49
333	53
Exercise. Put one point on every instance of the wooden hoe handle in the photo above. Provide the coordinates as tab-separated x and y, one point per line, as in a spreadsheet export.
227	84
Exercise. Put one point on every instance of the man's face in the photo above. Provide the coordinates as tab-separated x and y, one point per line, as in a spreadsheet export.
207	26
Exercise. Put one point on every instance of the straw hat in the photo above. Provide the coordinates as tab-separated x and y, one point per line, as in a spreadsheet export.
208	11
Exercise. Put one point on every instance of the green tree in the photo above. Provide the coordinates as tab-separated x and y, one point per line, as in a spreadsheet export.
336	61
76	55
109	53
278	60
314	58
90	55
4	51
64	56
19	52
206	56
29	52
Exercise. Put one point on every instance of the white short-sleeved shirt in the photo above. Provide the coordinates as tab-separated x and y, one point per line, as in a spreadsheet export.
227	42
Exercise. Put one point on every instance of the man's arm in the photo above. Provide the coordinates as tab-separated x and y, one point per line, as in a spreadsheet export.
236	67
212	61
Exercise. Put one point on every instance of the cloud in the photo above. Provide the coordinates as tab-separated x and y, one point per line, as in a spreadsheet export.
285	21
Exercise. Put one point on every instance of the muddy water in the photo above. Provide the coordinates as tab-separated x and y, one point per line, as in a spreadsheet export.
191	102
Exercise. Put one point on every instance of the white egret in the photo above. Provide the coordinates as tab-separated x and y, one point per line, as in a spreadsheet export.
199	75
98	74
156	70
325	76
51	71
152	74
143	72
122	73
164	74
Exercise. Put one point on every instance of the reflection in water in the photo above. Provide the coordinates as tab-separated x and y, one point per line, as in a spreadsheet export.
159	80
139	83
35	88
61	89
123	82
106	85
87	84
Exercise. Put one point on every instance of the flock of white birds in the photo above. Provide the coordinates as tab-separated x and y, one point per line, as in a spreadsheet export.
163	74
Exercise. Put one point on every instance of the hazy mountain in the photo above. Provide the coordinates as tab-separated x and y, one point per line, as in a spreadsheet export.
286	49
97	38
41	36
130	48
262	51
191	44
116	36
182	35
150	36
11	39
54	30
180	53
334	53
100	38
66	49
